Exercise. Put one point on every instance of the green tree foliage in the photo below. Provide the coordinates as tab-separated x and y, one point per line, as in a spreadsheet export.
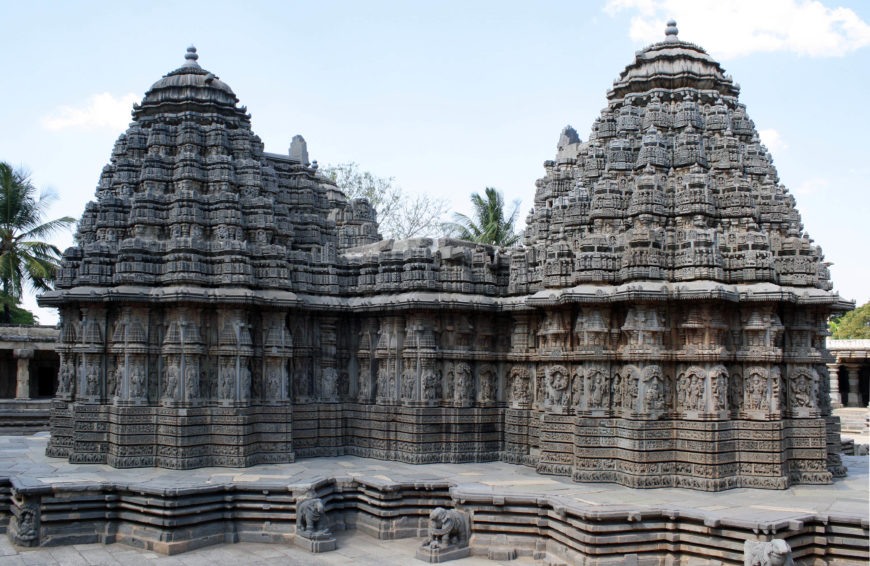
17	315
25	260
489	224
400	215
853	325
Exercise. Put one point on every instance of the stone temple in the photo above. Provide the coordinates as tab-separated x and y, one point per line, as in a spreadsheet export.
662	325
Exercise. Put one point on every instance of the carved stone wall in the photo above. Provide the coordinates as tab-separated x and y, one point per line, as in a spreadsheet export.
663	325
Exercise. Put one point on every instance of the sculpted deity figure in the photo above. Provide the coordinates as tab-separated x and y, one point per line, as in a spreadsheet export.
695	394
577	389
365	385
430	384
26	532
776	388
447	527
557	387
719	387
66	378
245	382
756	390
463	384
618	390
408	382
804	389
273	381
520	387
93	380
172	375
736	391
191	382
330	384
631	391
311	519
487	384
137	381
114	378
383	379
682	390
801	392
599	393
225	379
653	397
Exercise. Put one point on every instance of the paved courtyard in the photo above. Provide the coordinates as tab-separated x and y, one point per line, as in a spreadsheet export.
353	548
23	459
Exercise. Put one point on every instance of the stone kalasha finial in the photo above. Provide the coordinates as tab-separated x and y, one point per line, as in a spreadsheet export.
191	57
671	30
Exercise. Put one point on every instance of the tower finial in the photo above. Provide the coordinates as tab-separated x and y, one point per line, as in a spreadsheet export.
191	54
671	30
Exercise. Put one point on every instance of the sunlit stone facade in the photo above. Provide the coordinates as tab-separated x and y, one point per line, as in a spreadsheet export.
662	325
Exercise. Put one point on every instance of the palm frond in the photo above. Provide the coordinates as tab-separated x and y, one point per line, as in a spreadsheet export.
25	259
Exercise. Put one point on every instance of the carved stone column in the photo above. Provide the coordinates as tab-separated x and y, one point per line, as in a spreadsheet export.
834	375
23	355
854	399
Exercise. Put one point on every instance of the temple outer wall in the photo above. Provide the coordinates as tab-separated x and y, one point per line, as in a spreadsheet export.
593	391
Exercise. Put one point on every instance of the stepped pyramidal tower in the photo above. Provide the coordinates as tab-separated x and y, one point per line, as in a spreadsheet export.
663	325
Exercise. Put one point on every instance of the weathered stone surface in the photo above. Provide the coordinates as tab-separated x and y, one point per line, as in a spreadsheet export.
512	509
663	325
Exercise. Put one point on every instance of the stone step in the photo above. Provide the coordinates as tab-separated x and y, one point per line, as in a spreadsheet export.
853	425
24	416
854	419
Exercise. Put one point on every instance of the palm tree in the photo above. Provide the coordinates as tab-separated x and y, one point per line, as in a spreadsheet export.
25	260
489	225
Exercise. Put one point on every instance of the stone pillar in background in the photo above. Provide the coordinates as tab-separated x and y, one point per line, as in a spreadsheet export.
834	377
854	399
23	356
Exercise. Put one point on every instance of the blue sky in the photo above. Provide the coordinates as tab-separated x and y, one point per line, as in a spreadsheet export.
447	97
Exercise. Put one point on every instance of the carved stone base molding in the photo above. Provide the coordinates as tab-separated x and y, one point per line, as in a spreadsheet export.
450	520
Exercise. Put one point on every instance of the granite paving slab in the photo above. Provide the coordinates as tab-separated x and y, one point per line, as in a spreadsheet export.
354	548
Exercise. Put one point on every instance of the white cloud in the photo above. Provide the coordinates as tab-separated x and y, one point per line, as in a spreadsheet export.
812	186
739	27
102	111
772	140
